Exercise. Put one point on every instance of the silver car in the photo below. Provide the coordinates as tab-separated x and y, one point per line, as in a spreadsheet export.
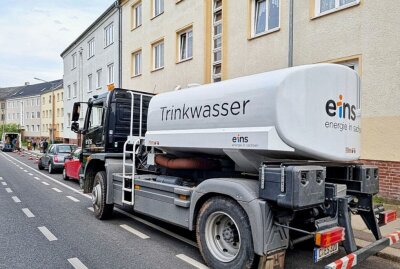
53	159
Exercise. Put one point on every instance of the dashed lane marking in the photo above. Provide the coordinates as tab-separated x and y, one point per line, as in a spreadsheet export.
26	171
191	261
47	233
134	231
1	178
45	183
76	263
16	199
91	209
36	178
8	190
28	213
30	174
57	190
4	183
73	199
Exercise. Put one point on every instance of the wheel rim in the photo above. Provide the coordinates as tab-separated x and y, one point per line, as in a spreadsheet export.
222	236
64	173
50	168
96	196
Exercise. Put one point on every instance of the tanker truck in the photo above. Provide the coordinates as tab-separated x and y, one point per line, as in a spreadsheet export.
253	165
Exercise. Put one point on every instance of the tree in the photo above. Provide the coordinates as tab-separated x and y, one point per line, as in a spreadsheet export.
8	128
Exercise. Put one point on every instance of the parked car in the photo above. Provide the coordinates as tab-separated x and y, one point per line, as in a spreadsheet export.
72	165
53	159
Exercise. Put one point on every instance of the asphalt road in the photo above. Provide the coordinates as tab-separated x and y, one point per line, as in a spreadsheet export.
46	222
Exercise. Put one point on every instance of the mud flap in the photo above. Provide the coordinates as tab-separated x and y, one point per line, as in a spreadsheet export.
273	261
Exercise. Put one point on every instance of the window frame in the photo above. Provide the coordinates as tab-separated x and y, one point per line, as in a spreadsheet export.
98	78
91	48
154	45
108	36
90	82
110	81
180	34
135	72
317	7
74	62
75	89
253	6
134	15
154	13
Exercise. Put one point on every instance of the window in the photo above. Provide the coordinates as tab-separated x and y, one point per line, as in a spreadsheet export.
186	45
27	128
98	79
50	99
37	101
91	48
108	35
33	128
33	115
158	55
90	83
58	97
217	41
58	112
38	128
31	102
62	127
50	114
44	100
158	7
62	96
27	115
110	69
323	7
38	114
62	112
74	60
75	87
137	63
266	16
137	15
69	119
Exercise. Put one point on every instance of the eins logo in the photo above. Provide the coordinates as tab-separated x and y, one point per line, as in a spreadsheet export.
342	109
240	139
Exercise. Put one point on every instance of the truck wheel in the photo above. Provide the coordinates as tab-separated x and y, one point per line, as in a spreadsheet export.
224	235
101	209
65	177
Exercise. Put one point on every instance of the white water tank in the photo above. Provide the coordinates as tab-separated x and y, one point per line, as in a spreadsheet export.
304	112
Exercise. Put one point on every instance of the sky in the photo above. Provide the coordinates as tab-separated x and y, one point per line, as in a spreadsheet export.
33	33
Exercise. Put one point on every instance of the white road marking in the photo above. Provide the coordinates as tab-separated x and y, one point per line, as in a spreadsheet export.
1	178
36	178
21	168
4	183
26	171
91	209
47	233
8	190
152	225
76	263
191	261
73	199
135	232
45	183
16	199
57	190
28	213
30	174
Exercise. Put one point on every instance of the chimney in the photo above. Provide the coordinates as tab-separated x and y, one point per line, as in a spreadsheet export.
27	83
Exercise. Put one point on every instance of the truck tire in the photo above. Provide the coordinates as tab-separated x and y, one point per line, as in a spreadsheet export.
102	210
224	234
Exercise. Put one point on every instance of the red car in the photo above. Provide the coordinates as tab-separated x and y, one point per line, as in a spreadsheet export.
72	165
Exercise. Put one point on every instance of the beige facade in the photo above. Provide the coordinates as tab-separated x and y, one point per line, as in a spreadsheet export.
357	33
52	110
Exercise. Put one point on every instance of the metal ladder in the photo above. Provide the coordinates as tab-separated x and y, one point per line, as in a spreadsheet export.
128	180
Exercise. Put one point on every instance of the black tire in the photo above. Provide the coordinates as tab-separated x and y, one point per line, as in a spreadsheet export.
102	210
232	215
40	166
65	177
51	168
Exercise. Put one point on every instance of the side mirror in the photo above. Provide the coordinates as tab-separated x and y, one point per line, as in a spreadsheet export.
75	126
76	112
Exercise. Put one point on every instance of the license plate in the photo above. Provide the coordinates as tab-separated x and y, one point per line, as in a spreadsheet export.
320	253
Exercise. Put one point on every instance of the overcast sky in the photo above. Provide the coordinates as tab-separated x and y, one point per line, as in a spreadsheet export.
33	33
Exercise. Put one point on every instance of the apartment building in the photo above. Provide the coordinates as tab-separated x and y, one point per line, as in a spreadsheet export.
52	110
23	108
170	44
4	94
91	64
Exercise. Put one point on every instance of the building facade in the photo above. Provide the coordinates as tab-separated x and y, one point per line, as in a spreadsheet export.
169	44
52	110
91	64
4	94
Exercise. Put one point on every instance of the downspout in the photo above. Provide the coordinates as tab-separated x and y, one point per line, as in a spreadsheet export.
119	44
290	49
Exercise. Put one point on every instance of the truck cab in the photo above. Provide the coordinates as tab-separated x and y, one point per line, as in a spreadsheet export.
106	127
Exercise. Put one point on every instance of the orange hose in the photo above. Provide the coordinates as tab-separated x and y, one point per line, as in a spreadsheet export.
186	163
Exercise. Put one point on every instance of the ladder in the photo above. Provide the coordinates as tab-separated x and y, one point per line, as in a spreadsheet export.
128	179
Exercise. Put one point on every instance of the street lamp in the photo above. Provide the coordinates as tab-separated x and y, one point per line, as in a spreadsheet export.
52	104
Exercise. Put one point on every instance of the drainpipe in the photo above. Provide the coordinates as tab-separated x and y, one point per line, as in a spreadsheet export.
119	44
290	49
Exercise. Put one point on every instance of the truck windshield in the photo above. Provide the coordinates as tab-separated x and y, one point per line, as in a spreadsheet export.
96	116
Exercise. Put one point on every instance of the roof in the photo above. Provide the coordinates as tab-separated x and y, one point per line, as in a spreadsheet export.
58	84
105	13
35	89
7	92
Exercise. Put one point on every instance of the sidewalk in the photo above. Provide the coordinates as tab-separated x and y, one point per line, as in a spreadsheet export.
364	236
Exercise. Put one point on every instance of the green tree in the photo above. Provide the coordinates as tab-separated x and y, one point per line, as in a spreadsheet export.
8	128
